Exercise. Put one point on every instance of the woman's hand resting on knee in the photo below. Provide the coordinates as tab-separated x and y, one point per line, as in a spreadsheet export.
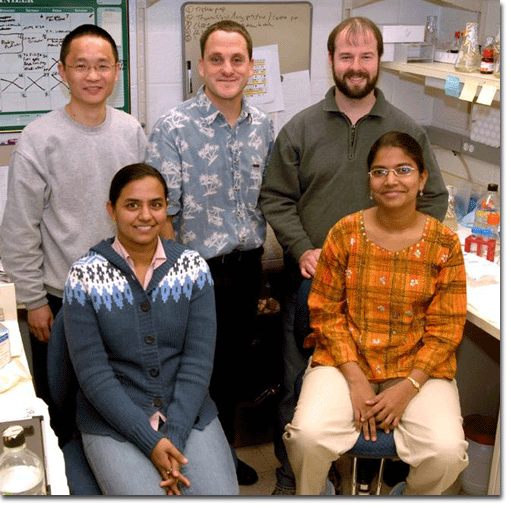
389	405
360	392
168	461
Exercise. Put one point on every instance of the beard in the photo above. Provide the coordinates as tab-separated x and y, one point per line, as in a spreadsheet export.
355	92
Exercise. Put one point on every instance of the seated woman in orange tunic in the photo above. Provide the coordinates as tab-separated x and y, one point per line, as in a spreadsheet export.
387	310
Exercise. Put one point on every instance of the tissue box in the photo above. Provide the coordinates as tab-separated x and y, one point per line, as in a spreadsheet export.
403	33
5	348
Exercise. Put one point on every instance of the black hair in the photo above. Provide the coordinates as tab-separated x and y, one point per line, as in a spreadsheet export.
81	31
354	27
398	140
131	173
226	25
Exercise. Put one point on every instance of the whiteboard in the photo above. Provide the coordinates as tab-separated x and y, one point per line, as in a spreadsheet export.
287	24
31	34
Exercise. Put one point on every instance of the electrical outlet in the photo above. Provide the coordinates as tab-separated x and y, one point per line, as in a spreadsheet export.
468	147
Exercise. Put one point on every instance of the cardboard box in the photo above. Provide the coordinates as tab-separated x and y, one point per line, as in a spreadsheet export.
403	33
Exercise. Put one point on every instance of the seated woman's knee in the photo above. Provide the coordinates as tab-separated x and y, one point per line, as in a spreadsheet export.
302	434
449	450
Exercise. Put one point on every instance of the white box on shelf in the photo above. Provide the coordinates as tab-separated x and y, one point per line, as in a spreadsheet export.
445	57
394	52
402	33
407	52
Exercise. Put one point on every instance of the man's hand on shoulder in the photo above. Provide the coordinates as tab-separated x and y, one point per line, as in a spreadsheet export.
308	262
40	322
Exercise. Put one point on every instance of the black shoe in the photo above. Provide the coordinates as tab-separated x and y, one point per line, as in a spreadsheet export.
246	474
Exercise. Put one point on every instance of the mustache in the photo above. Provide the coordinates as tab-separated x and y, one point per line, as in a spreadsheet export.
356	74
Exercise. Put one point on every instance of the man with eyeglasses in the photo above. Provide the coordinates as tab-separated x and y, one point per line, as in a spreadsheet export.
317	174
59	176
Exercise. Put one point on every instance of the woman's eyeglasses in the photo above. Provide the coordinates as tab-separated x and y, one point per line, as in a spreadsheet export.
400	172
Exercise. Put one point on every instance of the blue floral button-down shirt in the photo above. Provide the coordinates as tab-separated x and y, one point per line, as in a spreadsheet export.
214	174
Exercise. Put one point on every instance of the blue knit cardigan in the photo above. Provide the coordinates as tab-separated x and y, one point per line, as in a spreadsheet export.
137	351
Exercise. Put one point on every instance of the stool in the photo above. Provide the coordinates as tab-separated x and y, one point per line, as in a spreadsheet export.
383	448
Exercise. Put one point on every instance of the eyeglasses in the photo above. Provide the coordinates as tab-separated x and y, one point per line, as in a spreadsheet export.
83	69
400	172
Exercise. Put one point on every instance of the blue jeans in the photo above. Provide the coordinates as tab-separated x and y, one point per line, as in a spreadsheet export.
294	363
121	469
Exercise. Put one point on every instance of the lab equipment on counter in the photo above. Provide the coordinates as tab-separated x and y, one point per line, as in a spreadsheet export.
487	216
5	346
21	470
450	219
485	231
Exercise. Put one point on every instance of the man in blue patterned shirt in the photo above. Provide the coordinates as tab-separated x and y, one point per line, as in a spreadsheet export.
213	150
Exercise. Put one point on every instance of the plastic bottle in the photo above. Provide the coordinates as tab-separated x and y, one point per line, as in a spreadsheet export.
431	32
487	214
487	61
21	470
496	56
450	219
469	58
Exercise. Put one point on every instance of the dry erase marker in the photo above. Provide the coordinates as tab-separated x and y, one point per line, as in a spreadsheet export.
189	71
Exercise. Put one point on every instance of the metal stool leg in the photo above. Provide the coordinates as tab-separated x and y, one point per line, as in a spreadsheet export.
380	477
382	448
354	477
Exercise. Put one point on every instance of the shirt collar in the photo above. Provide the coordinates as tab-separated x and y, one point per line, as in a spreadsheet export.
158	258
379	108
210	111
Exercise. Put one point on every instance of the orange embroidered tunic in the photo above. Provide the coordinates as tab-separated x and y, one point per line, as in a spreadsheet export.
388	311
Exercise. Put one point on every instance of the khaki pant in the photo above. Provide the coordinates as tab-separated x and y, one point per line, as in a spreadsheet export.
429	436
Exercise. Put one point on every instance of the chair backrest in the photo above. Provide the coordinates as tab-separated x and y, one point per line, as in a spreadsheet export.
302	322
62	380
63	387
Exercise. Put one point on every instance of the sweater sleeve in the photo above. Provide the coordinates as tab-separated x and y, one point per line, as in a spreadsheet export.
20	237
280	194
194	373
434	200
95	375
331	336
446	314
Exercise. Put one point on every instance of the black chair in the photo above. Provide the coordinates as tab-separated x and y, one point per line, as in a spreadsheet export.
63	388
381	449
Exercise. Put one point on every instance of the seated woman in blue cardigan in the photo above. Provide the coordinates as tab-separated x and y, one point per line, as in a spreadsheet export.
139	317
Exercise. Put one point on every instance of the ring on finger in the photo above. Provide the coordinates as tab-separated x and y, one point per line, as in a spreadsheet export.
169	471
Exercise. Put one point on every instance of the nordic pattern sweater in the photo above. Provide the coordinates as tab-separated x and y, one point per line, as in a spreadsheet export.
137	351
